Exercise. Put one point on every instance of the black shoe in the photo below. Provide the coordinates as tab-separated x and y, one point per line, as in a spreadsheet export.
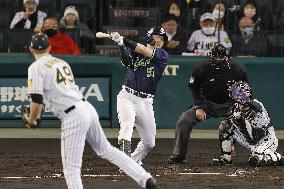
220	161
175	159
151	184
256	162
281	161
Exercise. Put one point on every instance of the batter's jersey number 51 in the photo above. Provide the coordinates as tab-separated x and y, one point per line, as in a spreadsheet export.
150	72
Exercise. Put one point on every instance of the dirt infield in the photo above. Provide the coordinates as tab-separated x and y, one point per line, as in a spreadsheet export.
36	163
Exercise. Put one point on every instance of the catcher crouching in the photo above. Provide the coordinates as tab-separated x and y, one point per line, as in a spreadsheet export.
250	126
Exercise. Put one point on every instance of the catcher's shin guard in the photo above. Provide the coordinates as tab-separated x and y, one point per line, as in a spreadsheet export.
225	138
125	146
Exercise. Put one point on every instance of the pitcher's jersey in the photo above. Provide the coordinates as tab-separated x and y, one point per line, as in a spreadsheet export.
146	72
53	78
198	40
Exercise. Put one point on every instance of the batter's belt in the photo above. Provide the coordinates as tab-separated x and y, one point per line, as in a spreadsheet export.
137	93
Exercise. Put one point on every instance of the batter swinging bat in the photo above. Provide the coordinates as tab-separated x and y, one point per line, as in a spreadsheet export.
102	35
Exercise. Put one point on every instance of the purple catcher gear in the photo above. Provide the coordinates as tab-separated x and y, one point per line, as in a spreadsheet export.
240	92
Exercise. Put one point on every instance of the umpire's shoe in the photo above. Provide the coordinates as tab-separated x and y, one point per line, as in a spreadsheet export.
220	161
176	159
151	184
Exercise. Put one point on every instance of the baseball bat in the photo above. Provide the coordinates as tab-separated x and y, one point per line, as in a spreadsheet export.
102	35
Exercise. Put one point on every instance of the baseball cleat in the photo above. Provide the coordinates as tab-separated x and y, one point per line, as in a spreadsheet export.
175	159
220	161
281	161
151	184
256	162
253	160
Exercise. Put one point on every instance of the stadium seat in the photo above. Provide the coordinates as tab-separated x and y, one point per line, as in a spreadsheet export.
135	33
11	6
3	41
134	17
19	39
5	19
276	39
107	50
48	6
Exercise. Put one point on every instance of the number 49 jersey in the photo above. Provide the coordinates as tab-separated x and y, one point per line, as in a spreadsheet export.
53	78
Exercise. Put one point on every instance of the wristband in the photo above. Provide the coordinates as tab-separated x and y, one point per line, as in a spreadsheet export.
130	44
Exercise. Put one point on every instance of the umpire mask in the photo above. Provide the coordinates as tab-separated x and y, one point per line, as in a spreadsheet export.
219	59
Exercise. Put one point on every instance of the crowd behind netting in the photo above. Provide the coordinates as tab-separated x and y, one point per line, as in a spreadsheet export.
245	27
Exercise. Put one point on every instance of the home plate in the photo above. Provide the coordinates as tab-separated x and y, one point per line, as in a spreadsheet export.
200	173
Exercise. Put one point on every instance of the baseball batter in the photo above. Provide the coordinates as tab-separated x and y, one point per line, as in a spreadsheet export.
250	126
50	80
145	66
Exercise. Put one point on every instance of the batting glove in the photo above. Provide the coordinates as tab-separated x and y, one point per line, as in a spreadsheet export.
116	37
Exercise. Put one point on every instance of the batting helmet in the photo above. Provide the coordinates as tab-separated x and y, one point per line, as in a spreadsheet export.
39	41
157	30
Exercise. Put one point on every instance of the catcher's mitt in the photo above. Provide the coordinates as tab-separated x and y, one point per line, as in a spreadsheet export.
240	92
25	111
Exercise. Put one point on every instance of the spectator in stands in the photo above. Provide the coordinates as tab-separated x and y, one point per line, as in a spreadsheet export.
219	13
175	8
249	42
195	8
176	35
30	18
250	9
70	20
203	40
60	43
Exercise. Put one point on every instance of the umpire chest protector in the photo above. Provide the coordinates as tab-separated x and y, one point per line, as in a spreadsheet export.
215	82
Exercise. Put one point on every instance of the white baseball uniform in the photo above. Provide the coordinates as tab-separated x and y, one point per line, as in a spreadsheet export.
135	101
266	147
205	43
53	78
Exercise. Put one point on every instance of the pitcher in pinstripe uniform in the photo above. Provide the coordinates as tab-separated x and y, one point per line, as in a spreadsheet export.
50	81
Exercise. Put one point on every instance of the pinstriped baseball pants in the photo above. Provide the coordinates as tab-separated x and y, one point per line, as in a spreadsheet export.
82	124
267	145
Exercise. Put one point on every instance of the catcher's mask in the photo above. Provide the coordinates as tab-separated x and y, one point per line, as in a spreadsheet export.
219	58
240	92
157	30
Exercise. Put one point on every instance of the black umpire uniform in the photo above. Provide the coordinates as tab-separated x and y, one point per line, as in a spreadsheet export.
209	84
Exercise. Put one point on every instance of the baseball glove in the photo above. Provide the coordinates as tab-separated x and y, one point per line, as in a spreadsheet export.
240	92
25	111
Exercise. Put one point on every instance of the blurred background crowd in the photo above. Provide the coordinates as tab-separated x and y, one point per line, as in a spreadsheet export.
246	27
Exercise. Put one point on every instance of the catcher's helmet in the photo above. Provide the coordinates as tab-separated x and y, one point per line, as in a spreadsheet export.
240	92
157	30
39	41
